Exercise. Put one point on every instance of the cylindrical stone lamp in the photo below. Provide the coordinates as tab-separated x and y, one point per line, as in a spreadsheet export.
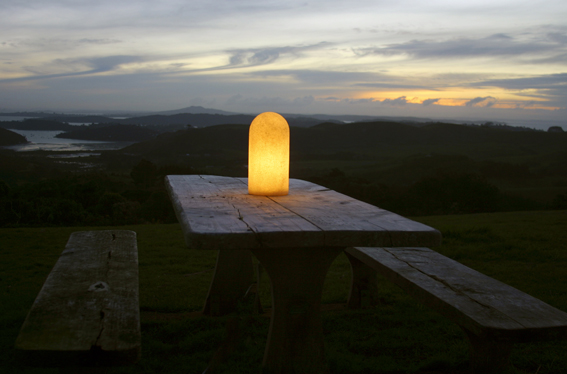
268	155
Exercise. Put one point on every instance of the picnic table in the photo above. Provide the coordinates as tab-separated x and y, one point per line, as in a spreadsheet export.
296	238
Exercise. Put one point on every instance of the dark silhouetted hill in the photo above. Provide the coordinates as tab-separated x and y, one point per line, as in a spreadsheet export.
194	110
215	140
328	138
206	120
81	119
111	133
8	137
37	125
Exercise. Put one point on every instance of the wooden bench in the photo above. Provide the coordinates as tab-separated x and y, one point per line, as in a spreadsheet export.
87	312
493	315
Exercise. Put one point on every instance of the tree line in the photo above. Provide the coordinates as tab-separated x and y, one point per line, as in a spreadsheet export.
101	198
445	192
96	198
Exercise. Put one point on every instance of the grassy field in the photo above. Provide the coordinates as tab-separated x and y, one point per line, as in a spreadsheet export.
527	250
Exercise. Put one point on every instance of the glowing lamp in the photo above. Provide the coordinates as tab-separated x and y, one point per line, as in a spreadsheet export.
268	155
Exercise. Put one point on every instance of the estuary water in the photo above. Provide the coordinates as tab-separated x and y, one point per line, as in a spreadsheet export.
46	141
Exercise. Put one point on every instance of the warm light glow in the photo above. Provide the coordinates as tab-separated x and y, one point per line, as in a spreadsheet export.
492	97
268	155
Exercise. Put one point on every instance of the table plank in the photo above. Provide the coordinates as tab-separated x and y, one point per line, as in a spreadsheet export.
344	218
218	213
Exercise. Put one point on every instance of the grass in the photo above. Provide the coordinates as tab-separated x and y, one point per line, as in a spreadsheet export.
524	249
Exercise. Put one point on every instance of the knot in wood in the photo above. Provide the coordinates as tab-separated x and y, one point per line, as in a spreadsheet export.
99	286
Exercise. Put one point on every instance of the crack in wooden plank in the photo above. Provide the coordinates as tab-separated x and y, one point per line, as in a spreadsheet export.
96	343
442	281
459	292
302	217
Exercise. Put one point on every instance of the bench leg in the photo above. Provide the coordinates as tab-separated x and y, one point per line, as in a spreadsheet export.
234	274
363	289
488	357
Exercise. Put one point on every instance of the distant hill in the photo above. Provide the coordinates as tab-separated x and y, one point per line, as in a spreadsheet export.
357	139
116	133
301	118
206	120
349	118
199	116
61	122
28	114
8	137
81	119
37	124
194	110
195	120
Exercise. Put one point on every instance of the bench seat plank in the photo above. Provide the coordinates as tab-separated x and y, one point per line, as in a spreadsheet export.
87	312
483	305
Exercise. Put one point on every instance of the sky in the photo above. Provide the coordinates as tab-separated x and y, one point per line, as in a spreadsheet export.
500	60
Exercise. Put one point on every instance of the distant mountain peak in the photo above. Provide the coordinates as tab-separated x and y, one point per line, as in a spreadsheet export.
195	110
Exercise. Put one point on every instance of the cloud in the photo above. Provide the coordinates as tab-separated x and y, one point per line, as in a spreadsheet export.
98	41
269	102
400	101
320	77
304	101
265	56
253	57
359	101
542	81
477	101
396	86
558	37
525	104
549	87
108	63
77	67
430	101
58	43
326	78
237	59
553	60
240	100
492	46
11	44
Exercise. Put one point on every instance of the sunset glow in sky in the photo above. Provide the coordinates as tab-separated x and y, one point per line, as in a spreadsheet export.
498	59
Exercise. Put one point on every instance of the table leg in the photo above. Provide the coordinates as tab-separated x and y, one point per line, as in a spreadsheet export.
234	274
295	339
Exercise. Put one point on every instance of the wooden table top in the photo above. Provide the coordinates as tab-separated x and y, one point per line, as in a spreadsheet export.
218	213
